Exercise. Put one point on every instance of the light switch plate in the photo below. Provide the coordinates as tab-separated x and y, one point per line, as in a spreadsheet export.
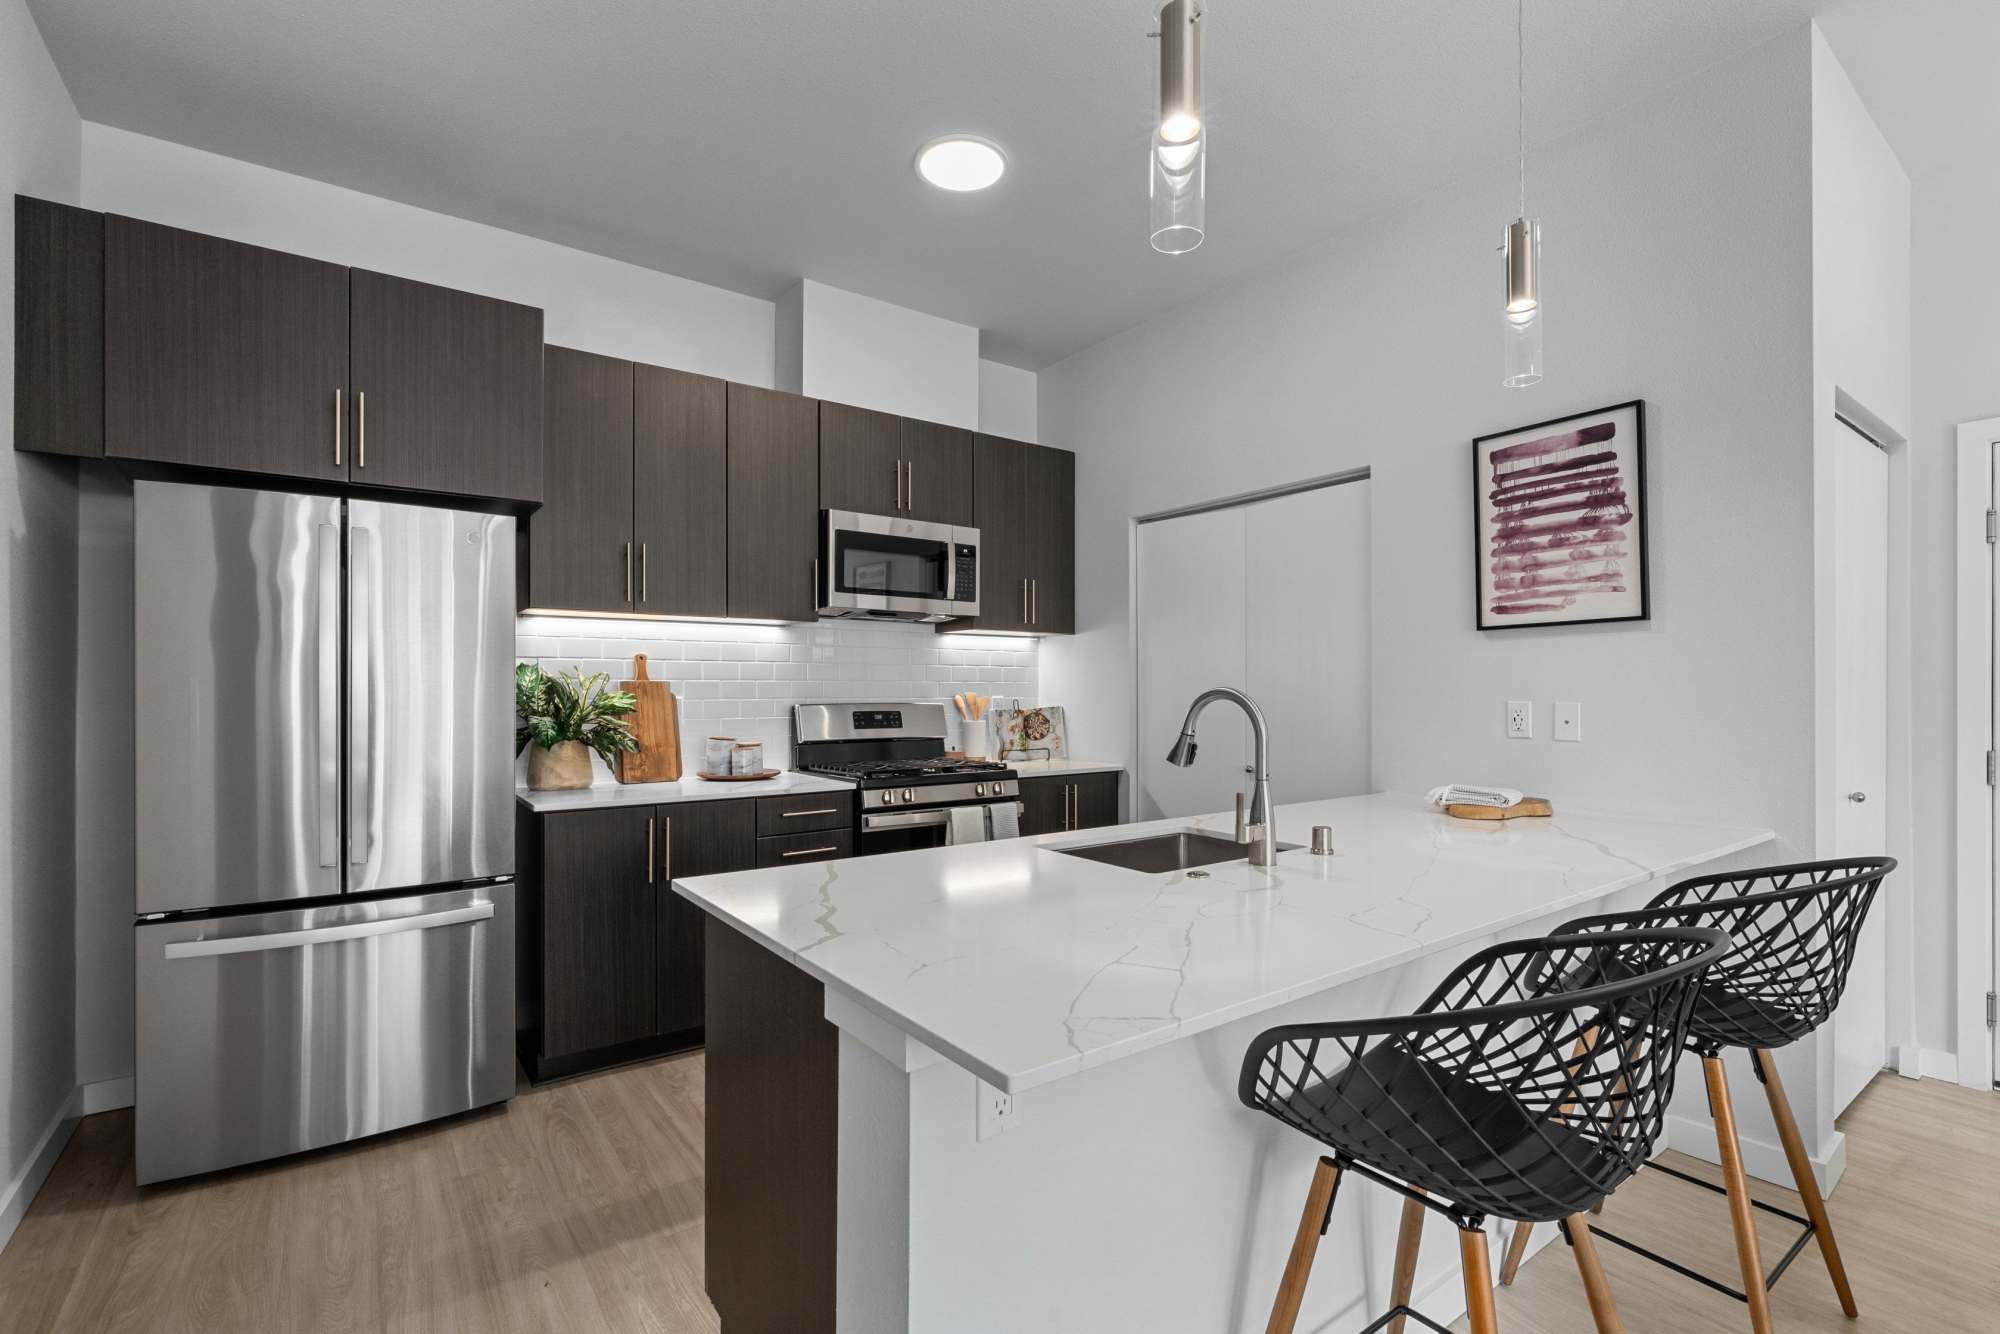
1569	720
1521	719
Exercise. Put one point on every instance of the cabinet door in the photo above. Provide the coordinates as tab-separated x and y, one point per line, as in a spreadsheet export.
1051	503
58	328
447	388
937	472
220	355
599	920
1093	801
580	538
998	479
1045	807
680	493
696	838
860	460
773	504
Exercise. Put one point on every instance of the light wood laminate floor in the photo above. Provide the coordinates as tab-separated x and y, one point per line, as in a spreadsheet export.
578	1207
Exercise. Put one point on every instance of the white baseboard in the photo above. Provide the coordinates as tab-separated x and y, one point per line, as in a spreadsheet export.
20	1192
1763	1160
107	1095
1914	1062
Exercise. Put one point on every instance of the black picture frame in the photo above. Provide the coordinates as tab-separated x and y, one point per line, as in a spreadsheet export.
1485	616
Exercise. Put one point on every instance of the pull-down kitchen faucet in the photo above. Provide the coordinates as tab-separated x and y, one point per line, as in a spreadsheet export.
1258	830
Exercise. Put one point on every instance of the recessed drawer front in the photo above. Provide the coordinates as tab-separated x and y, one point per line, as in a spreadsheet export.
823	845
793	815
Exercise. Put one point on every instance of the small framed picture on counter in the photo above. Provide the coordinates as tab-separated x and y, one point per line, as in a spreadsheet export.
1560	515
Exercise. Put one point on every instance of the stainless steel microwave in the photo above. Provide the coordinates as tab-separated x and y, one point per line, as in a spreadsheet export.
889	569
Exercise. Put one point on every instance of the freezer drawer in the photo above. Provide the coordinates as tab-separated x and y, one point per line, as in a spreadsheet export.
267	1034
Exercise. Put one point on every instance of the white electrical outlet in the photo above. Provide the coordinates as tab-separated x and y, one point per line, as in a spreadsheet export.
1520	719
1568	720
996	1110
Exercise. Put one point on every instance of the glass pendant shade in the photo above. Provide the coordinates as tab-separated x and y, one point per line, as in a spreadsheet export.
1521	315
1177	158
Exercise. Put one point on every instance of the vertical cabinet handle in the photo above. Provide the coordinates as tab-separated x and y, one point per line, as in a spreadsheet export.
910	486
642	572
336	428
1024	602
1034	602
628	571
666	847
360	429
649	849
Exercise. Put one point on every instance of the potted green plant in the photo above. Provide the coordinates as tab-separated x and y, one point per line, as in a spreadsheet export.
565	717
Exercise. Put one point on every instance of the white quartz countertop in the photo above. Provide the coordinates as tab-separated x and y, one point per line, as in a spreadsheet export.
1053	768
1023	964
786	784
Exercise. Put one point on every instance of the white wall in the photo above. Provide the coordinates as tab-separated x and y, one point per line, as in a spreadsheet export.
1007	402
1677	269
855	349
40	139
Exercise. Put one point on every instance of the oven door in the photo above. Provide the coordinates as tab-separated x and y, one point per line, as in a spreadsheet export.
900	831
897	569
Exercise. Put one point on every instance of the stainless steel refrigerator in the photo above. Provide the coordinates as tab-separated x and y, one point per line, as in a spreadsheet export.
325	820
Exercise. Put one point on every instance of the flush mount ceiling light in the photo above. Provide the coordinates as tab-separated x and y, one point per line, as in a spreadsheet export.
1521	248
1178	155
961	163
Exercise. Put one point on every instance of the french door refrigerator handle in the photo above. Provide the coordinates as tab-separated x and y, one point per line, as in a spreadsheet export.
326	552
361	687
324	935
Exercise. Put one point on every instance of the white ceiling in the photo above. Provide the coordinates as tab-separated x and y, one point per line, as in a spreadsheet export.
750	142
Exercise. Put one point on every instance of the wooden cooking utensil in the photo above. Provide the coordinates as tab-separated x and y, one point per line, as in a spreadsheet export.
656	726
1525	806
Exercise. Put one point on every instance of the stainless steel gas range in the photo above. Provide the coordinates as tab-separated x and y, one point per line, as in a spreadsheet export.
908	794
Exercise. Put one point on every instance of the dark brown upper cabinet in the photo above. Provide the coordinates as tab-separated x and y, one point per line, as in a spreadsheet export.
58	328
447	390
223	355
1024	504
937	472
680	492
860	460
773	504
579	551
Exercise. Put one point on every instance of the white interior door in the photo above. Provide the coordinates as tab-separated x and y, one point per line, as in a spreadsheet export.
1190	637
1307	566
1861	698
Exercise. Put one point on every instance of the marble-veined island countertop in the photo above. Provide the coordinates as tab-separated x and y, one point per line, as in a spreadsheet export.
1022	964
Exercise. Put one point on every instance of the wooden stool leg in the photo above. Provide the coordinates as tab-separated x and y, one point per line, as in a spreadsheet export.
1602	1309
1802	1174
1517	1247
1292	1287
1740	1216
1408	1237
1479	1317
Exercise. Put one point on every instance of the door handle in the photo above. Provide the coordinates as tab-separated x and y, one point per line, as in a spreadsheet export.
360	429
336	428
325	935
1034	602
1857	797
642	572
325	541
649	849
1024	602
666	847
628	571
910	485
361	758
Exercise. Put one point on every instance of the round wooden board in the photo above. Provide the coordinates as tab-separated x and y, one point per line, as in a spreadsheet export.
1525	806
739	778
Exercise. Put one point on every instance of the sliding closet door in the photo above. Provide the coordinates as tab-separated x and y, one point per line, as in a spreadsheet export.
1190	637
1307	593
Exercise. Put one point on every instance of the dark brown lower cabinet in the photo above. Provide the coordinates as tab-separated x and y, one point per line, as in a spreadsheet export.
611	962
1069	801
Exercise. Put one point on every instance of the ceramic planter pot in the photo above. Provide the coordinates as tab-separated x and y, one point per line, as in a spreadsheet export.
559	768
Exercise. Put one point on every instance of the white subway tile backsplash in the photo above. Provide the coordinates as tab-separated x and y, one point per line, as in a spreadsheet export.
742	680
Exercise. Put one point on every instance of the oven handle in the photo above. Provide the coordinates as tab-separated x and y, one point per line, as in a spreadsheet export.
918	819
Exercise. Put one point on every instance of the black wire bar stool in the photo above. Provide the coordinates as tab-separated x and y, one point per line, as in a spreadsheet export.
1795	929
1532	1082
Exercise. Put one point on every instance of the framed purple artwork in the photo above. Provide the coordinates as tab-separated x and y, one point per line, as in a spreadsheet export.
1561	521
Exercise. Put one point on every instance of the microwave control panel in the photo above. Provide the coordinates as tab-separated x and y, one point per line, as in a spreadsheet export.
965	582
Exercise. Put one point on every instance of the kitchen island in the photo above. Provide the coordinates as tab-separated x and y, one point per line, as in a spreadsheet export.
993	1086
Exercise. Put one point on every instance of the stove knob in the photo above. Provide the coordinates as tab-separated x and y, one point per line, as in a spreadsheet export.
909	795
889	798
979	789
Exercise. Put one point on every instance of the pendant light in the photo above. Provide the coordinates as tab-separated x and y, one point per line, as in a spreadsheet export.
1521	248
1178	157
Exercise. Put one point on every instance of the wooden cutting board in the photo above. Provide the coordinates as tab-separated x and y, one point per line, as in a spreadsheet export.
1525	806
658	729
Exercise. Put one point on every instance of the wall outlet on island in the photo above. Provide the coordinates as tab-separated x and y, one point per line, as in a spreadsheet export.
1520	719
996	1109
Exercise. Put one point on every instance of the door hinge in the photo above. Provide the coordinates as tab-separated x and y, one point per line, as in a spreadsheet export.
1991	765
1992	526
1992	1014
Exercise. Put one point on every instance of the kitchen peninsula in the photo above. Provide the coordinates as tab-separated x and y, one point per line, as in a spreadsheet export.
1059	1039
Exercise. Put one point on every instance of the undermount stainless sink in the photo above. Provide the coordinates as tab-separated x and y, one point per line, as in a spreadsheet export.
1167	852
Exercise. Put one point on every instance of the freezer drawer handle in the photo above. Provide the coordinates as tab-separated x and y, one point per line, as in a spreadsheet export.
322	935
